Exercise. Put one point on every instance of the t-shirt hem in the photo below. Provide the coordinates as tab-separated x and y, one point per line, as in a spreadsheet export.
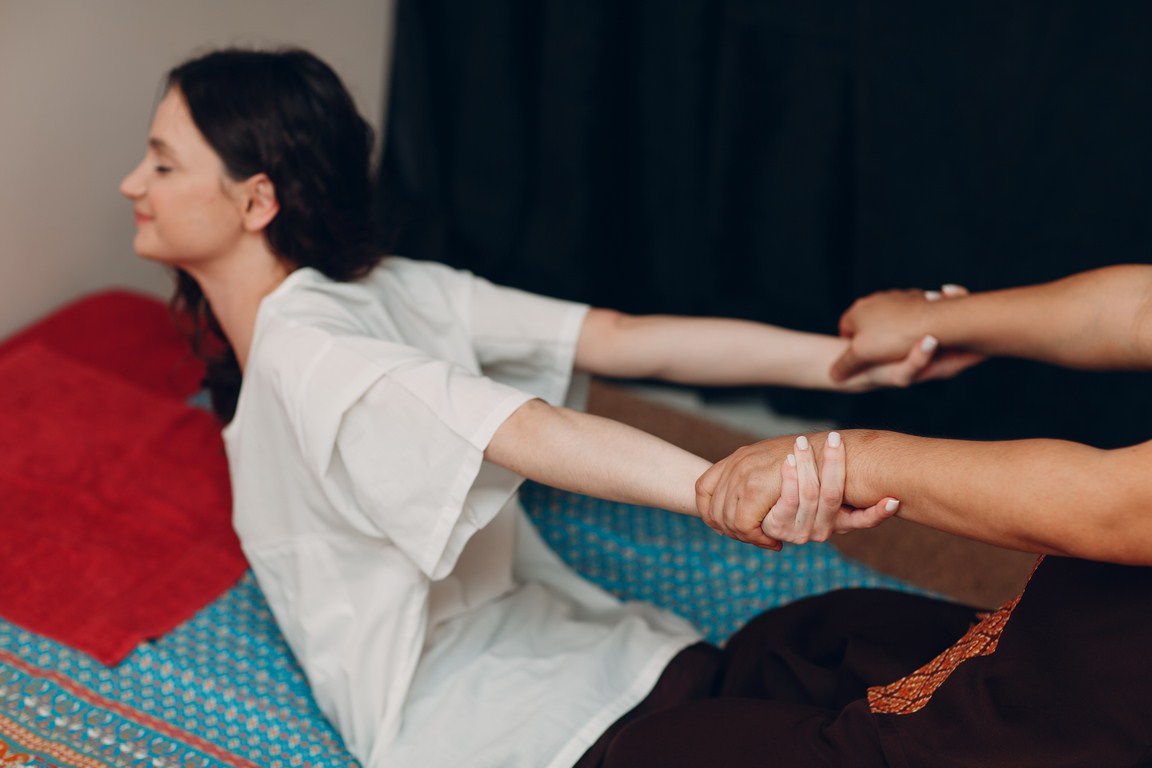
641	686
445	543
497	416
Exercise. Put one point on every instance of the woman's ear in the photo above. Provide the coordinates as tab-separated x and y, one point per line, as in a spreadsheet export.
259	202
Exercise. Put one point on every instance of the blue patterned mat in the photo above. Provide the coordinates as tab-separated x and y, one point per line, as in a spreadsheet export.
224	690
678	563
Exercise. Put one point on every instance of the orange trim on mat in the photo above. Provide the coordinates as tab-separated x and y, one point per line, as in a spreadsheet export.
95	699
10	729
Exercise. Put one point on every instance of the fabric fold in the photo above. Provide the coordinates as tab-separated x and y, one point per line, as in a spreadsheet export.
117	508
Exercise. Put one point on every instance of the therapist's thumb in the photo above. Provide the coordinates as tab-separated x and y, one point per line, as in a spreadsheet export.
847	366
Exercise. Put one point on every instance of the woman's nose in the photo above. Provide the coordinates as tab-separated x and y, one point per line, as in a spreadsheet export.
132	187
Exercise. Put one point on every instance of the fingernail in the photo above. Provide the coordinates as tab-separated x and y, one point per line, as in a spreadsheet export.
951	288
802	443
792	459
834	439
929	343
892	505
933	295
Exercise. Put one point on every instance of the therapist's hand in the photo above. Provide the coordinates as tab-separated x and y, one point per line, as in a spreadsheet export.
776	488
881	328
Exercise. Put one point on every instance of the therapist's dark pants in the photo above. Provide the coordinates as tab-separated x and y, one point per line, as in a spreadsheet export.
788	690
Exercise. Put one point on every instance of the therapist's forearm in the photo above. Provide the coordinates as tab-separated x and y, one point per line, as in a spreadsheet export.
1101	319
1048	496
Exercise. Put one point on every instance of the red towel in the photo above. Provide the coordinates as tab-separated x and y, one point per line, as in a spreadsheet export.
115	499
123	334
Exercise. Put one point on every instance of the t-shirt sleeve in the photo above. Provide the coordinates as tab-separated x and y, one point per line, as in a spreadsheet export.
525	340
398	439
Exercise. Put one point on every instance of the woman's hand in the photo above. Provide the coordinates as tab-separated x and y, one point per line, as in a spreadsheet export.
775	491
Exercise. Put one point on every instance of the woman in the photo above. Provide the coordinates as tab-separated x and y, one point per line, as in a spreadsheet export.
388	411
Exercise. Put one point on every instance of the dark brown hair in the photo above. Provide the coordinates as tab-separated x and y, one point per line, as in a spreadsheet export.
284	113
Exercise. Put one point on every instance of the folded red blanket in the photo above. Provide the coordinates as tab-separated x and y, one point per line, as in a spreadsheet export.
121	333
115	498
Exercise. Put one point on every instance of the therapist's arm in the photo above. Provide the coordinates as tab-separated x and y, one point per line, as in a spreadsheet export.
1045	496
1101	319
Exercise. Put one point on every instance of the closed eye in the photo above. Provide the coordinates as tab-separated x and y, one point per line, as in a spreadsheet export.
161	151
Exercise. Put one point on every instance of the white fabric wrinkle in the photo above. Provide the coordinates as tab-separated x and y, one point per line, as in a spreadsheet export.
435	522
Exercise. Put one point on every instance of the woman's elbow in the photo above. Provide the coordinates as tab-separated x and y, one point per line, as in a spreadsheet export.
600	349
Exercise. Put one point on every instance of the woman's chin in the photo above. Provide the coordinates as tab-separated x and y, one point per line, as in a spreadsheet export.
150	254
151	258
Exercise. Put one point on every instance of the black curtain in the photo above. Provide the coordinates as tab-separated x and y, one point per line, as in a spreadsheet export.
774	160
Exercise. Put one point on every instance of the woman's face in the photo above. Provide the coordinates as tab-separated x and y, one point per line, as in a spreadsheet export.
188	211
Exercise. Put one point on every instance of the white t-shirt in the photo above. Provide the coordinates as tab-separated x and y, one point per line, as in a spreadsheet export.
435	626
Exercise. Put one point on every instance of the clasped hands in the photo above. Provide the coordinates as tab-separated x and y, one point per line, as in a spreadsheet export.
777	490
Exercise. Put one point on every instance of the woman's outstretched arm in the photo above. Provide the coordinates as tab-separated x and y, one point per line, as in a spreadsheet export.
711	351
604	458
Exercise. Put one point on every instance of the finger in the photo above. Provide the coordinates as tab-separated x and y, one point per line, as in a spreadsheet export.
847	325
780	522
808	479
756	535
907	371
758	491
766	541
727	481
847	366
781	517
850	519
832	474
722	495
952	291
706	486
735	494
948	364
721	482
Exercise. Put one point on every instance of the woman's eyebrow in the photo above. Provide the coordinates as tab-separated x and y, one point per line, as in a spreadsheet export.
160	146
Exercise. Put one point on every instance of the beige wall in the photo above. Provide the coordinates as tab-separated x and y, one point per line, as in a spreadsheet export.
78	81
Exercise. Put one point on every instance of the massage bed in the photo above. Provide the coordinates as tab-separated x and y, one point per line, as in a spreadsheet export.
132	632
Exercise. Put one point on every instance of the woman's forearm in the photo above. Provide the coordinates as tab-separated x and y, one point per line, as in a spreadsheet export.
596	456
705	351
